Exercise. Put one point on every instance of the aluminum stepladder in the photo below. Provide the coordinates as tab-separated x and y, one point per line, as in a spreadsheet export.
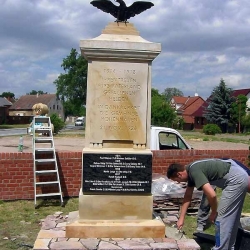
46	174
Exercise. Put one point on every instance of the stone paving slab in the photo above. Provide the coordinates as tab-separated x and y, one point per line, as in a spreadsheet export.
52	237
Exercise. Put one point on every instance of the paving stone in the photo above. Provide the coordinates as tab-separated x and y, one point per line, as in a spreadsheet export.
67	245
105	239
73	239
170	240
175	212
144	240
59	229
91	243
62	224
172	218
117	239
48	224
164	246
41	244
48	234
132	244
188	244
107	246
51	217
157	240
61	239
61	220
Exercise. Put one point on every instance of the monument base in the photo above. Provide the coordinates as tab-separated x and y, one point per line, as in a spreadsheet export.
76	228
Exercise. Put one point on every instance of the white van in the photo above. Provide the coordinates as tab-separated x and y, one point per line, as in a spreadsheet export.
80	121
163	138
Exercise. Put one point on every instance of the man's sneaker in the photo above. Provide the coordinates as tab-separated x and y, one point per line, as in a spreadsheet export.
200	229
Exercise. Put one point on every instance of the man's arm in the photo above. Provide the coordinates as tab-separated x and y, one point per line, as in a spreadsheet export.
212	199
185	204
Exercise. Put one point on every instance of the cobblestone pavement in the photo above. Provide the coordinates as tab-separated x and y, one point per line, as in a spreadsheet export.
52	237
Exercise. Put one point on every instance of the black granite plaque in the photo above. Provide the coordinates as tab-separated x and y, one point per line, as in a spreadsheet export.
117	173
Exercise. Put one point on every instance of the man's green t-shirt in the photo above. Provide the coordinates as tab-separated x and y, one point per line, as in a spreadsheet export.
205	171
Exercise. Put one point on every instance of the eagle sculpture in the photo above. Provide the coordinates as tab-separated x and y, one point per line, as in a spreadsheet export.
122	13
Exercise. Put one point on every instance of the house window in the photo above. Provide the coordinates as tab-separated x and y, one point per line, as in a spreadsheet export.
57	107
54	106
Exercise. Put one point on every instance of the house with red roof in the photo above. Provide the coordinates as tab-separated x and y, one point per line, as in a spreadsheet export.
23	106
245	92
185	107
4	109
200	120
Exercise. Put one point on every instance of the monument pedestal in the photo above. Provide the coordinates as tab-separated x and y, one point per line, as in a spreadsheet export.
77	228
115	200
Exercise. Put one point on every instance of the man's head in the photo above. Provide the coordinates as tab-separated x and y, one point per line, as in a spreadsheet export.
177	172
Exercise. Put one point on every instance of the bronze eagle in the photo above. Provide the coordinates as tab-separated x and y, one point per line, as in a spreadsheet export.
122	13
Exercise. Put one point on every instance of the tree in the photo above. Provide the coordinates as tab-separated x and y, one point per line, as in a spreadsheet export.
162	114
57	122
238	110
8	94
170	92
34	92
246	123
72	85
219	108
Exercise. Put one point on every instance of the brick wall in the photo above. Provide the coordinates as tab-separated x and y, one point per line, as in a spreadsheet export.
16	169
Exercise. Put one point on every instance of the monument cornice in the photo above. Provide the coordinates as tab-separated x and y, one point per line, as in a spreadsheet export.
119	42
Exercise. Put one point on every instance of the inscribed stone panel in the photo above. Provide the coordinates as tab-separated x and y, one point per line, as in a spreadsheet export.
117	101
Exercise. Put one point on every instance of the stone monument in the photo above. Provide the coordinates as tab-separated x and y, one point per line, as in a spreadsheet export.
115	199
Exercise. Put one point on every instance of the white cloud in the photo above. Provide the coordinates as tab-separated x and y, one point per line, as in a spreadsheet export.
202	42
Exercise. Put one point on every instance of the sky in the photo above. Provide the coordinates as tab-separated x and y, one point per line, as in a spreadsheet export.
202	42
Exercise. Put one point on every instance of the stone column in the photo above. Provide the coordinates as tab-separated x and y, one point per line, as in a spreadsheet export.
115	198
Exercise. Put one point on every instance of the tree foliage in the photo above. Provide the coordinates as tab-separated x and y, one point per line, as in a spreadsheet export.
246	123
238	109
34	92
7	94
211	129
72	85
219	108
170	92
57	122
162	114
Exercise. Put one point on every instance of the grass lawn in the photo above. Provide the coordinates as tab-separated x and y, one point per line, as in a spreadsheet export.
20	221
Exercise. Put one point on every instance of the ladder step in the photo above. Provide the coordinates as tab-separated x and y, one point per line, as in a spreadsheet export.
43	130
48	194
47	183
41	119
46	171
44	160
44	150
43	140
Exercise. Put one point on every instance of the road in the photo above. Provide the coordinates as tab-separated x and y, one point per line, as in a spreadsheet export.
23	131
74	140
16	131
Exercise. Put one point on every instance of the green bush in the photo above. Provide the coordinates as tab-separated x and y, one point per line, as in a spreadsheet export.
211	129
205	139
57	122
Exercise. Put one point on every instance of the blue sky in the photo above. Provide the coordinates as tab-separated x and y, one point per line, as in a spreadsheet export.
202	41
